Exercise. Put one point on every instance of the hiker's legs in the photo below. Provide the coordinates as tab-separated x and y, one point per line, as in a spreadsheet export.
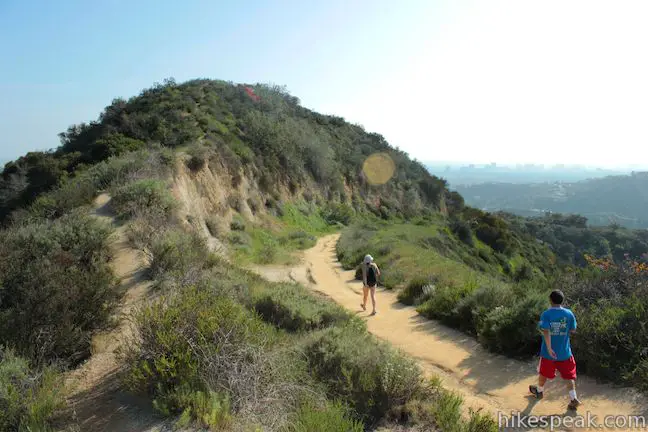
365	293
567	370
542	380
373	298
546	371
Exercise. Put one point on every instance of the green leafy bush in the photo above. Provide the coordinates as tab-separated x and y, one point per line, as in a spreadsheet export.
192	345
513	330
339	213
139	195
214	226
442	302
177	258
417	291
523	273
113	145
198	156
368	374
29	399
56	287
473	309
238	224
291	307
333	417
299	240
463	232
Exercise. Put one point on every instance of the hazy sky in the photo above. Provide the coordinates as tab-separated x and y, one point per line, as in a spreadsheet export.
492	80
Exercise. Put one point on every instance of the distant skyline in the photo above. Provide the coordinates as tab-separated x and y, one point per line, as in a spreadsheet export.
485	80
627	167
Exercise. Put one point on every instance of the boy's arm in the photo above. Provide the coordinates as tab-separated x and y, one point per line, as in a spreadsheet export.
572	330
377	270
547	338
545	326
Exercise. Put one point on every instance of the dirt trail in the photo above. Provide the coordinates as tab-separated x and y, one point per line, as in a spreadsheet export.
485	380
96	399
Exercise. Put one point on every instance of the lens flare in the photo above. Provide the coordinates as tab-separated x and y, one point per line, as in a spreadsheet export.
379	168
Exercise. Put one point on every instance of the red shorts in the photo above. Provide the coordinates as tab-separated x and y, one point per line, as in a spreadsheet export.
567	368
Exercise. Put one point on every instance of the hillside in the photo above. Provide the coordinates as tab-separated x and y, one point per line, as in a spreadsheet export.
260	133
201	179
621	199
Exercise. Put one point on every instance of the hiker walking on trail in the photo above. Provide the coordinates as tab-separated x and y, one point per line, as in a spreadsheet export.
557	324
370	274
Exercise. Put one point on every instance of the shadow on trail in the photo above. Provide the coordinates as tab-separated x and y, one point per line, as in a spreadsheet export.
106	407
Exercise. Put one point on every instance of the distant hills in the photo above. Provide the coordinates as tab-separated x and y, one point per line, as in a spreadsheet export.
619	199
467	174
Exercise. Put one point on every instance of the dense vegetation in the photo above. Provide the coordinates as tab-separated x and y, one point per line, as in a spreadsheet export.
571	239
501	309
219	347
620	199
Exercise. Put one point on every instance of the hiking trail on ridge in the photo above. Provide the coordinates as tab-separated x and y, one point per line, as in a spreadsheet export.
96	396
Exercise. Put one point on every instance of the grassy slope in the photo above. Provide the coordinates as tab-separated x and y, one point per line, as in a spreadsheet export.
428	249
274	239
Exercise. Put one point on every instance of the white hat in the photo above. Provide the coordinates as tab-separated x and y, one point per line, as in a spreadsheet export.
368	259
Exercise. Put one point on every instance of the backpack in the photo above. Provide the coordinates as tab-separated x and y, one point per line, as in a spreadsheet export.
371	275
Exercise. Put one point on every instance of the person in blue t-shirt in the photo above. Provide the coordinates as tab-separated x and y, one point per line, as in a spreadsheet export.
557	323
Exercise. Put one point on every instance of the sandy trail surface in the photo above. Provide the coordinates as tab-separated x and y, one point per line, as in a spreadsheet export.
95	396
485	380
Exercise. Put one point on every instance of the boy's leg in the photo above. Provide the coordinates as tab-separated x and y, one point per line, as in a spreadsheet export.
538	390
365	293
567	370
546	370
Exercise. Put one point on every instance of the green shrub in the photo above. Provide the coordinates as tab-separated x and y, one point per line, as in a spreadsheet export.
205	408
513	330
447	412
213	226
392	277
472	309
339	213
192	345
300	240
481	422
238	238
275	207
442	303
524	272
198	156
69	195
29	400
416	291
463	232
371	376
613	325
177	258
139	195
57	287
333	417
291	307
238	224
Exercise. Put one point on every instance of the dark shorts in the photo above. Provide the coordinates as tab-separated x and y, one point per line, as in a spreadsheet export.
567	368
371	285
